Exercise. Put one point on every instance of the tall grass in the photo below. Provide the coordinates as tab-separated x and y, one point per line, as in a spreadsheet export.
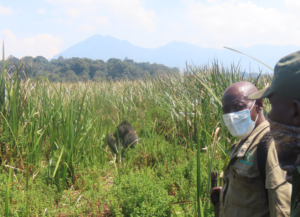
55	160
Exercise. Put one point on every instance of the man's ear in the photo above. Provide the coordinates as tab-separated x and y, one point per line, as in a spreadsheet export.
296	117
260	105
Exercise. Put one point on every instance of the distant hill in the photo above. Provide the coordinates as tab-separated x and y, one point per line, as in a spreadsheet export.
176	54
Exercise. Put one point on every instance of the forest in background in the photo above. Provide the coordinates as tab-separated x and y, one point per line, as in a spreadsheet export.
84	69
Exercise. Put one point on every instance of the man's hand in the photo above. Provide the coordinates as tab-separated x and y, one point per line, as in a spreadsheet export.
215	190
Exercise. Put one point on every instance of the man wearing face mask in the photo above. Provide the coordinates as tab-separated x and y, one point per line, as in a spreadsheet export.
253	183
284	118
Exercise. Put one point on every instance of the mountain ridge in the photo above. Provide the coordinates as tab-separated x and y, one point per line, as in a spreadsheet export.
175	53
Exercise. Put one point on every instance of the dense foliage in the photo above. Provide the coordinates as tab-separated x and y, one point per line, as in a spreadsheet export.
84	69
55	160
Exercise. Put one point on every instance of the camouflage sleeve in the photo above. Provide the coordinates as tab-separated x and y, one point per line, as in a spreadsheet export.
278	189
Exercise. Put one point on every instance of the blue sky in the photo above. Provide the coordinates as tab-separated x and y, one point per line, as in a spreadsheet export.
47	27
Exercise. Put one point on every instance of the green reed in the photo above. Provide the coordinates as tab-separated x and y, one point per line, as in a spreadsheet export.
53	132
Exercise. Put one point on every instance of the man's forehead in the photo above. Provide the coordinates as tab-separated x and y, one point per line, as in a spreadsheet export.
239	91
233	101
234	96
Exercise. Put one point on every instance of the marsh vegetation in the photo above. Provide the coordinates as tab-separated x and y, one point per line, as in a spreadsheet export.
55	160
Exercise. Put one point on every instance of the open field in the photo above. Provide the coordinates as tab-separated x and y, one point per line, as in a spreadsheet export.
55	161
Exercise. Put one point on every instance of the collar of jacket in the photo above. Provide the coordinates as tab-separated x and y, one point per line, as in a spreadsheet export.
250	139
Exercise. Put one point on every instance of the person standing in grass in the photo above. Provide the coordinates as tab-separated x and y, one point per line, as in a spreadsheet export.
253	182
284	119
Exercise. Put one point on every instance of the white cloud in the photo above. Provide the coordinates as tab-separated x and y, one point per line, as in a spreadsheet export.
128	14
73	12
294	4
5	10
38	45
93	24
102	20
87	28
212	1
41	11
242	24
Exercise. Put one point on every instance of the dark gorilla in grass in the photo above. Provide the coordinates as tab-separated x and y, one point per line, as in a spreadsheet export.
125	134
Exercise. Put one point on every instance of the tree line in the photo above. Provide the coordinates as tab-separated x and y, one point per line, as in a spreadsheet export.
85	69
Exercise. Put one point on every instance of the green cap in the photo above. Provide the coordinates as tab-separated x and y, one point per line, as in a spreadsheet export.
286	80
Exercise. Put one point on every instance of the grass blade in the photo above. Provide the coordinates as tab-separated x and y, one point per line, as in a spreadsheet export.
59	159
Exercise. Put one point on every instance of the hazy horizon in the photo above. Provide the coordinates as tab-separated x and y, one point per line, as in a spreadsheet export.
48	27
177	54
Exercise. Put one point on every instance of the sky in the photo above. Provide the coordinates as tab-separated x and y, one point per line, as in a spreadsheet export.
48	27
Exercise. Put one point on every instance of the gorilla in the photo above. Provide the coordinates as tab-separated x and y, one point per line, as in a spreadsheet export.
126	136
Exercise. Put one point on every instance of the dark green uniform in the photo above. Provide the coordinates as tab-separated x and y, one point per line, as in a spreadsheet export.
243	193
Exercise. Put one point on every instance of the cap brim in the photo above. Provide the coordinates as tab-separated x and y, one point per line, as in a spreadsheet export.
261	94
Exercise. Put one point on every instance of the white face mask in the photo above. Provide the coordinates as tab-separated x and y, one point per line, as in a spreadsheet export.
240	123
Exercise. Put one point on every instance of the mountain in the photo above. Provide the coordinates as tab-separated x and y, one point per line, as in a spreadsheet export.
176	54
